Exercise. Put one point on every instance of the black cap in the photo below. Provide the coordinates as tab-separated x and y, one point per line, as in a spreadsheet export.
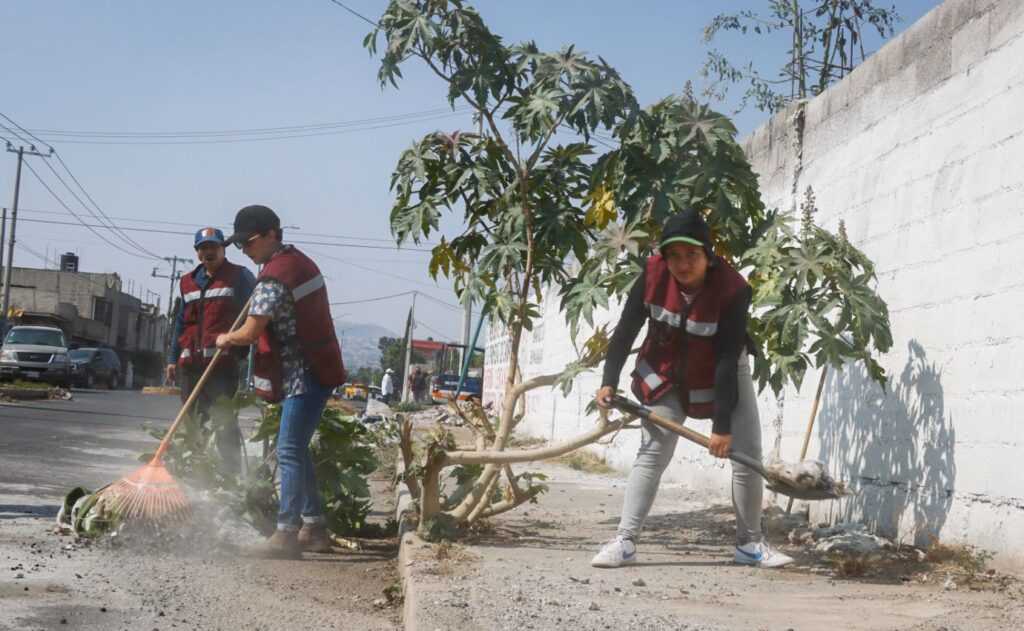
688	227
253	220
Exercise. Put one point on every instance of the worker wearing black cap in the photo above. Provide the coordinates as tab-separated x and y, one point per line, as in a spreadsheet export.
212	295
298	361
694	364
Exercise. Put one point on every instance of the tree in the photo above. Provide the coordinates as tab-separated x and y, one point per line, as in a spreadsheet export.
367	375
565	190
827	42
392	355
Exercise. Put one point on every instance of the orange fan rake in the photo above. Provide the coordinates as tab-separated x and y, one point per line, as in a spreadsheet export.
150	493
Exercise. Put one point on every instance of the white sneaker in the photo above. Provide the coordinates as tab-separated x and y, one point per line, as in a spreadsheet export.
616	553
760	554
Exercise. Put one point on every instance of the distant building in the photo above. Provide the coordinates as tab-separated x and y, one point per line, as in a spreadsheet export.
90	308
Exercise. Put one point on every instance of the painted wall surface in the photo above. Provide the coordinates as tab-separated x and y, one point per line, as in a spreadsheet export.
920	152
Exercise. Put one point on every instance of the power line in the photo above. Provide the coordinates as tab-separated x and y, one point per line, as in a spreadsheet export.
181	232
356	13
370	269
11	121
193	225
61	202
95	205
334	132
253	131
19	136
353	302
123	236
434	331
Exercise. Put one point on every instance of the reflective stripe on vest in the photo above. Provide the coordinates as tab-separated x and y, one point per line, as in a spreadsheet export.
703	329
664	315
651	378
207	352
705	395
219	292
262	384
308	287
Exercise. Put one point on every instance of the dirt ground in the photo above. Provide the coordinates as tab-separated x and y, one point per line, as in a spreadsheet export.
49	581
532	571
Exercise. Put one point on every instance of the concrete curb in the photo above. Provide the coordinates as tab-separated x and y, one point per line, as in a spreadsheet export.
407	542
161	390
25	393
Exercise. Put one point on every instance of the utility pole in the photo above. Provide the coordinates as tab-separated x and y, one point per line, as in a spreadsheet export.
3	234
175	277
21	151
467	315
408	348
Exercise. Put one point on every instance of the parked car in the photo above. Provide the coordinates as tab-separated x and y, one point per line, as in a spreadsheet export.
356	391
90	366
374	392
36	353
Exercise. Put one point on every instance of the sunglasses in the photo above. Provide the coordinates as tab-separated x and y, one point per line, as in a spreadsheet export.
241	245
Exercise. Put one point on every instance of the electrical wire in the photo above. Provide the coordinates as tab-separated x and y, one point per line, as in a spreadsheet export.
91	229
356	13
67	169
113	227
253	131
261	139
193	225
353	302
181	232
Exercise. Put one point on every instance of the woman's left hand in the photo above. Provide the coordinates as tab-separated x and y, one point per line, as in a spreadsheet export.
720	445
223	341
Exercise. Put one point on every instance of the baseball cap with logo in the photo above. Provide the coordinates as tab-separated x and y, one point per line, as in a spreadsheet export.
209	235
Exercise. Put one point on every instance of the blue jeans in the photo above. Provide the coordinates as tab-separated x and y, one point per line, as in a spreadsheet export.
300	496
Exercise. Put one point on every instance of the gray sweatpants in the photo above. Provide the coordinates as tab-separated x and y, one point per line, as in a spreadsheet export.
657	446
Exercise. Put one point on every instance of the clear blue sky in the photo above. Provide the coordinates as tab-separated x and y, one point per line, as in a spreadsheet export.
196	65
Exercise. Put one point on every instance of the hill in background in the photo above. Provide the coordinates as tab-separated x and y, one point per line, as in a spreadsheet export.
359	343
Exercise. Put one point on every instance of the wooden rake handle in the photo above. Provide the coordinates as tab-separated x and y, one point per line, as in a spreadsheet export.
199	385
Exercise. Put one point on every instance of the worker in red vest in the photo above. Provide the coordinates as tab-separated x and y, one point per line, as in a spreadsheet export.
693	363
212	294
298	361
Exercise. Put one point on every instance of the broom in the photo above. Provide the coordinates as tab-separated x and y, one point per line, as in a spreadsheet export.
150	493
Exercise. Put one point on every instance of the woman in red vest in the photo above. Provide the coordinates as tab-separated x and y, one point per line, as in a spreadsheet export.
298	360
693	363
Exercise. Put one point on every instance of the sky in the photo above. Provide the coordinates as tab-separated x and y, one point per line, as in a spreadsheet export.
127	66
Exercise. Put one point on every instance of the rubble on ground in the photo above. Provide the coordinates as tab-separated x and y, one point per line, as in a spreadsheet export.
440	414
828	542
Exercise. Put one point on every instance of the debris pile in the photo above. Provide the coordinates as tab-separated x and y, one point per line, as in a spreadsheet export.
827	543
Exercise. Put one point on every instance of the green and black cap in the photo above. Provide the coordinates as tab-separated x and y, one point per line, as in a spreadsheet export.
687	227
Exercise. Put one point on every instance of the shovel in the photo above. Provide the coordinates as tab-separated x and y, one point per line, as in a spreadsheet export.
804	481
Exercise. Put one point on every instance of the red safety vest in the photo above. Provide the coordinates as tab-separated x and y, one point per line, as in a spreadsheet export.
677	331
208	313
302	278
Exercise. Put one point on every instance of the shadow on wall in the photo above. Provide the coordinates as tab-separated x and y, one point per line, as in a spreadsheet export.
895	449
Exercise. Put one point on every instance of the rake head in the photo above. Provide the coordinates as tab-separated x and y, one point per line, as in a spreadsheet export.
148	494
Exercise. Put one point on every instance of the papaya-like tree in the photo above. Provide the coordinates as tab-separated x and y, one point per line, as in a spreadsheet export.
564	188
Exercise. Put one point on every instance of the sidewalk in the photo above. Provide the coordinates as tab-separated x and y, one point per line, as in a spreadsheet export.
532	571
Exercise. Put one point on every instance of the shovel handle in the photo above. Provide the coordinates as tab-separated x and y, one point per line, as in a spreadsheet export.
627	406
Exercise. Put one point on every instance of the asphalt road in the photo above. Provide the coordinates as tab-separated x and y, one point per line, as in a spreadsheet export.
191	581
49	447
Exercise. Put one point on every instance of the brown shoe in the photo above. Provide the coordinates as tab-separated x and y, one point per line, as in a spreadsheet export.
315	538
281	545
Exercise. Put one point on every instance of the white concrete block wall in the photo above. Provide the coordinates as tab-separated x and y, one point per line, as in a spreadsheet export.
919	151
